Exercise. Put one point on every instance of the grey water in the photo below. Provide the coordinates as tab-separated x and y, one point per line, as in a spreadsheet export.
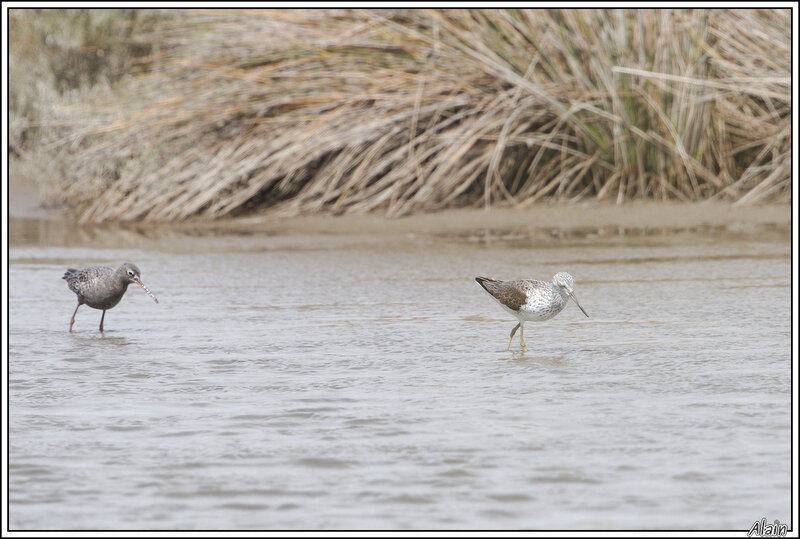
329	381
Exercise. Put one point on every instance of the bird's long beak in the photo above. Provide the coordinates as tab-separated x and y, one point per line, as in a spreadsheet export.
140	283
572	295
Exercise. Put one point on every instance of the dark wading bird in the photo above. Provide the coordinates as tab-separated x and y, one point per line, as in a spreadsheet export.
530	300
101	287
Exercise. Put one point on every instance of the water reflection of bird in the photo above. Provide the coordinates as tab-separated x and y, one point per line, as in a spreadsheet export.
101	287
530	300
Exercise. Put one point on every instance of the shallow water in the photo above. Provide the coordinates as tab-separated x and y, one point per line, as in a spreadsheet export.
335	381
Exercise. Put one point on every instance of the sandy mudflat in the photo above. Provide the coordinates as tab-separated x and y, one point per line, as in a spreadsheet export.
588	215
585	217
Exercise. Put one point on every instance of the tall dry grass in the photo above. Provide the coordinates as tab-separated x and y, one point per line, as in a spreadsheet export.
399	111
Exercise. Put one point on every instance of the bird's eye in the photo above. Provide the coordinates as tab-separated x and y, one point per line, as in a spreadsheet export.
130	273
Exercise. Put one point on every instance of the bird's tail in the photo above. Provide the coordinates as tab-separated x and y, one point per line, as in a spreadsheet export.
69	273
482	280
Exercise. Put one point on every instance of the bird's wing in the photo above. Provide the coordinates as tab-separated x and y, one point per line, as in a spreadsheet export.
509	293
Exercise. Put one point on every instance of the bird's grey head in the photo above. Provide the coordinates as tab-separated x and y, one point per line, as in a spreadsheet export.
564	280
130	272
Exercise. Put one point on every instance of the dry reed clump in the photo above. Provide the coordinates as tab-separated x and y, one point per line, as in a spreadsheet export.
397	111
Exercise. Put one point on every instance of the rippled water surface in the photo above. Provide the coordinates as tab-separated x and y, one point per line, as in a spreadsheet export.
332	381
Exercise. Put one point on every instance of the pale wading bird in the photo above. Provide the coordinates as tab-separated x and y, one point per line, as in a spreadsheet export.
101	287
530	300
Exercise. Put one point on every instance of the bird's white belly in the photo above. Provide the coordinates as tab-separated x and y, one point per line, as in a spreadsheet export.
537	315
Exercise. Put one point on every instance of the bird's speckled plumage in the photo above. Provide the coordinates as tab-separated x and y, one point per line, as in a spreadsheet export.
526	299
531	300
101	287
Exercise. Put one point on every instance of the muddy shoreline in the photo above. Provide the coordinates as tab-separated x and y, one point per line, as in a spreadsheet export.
576	217
31	223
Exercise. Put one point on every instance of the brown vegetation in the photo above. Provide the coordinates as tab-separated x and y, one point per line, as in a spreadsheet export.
399	111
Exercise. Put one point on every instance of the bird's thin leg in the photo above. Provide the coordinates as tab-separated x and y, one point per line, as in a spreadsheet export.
101	320
512	336
522	338
72	320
